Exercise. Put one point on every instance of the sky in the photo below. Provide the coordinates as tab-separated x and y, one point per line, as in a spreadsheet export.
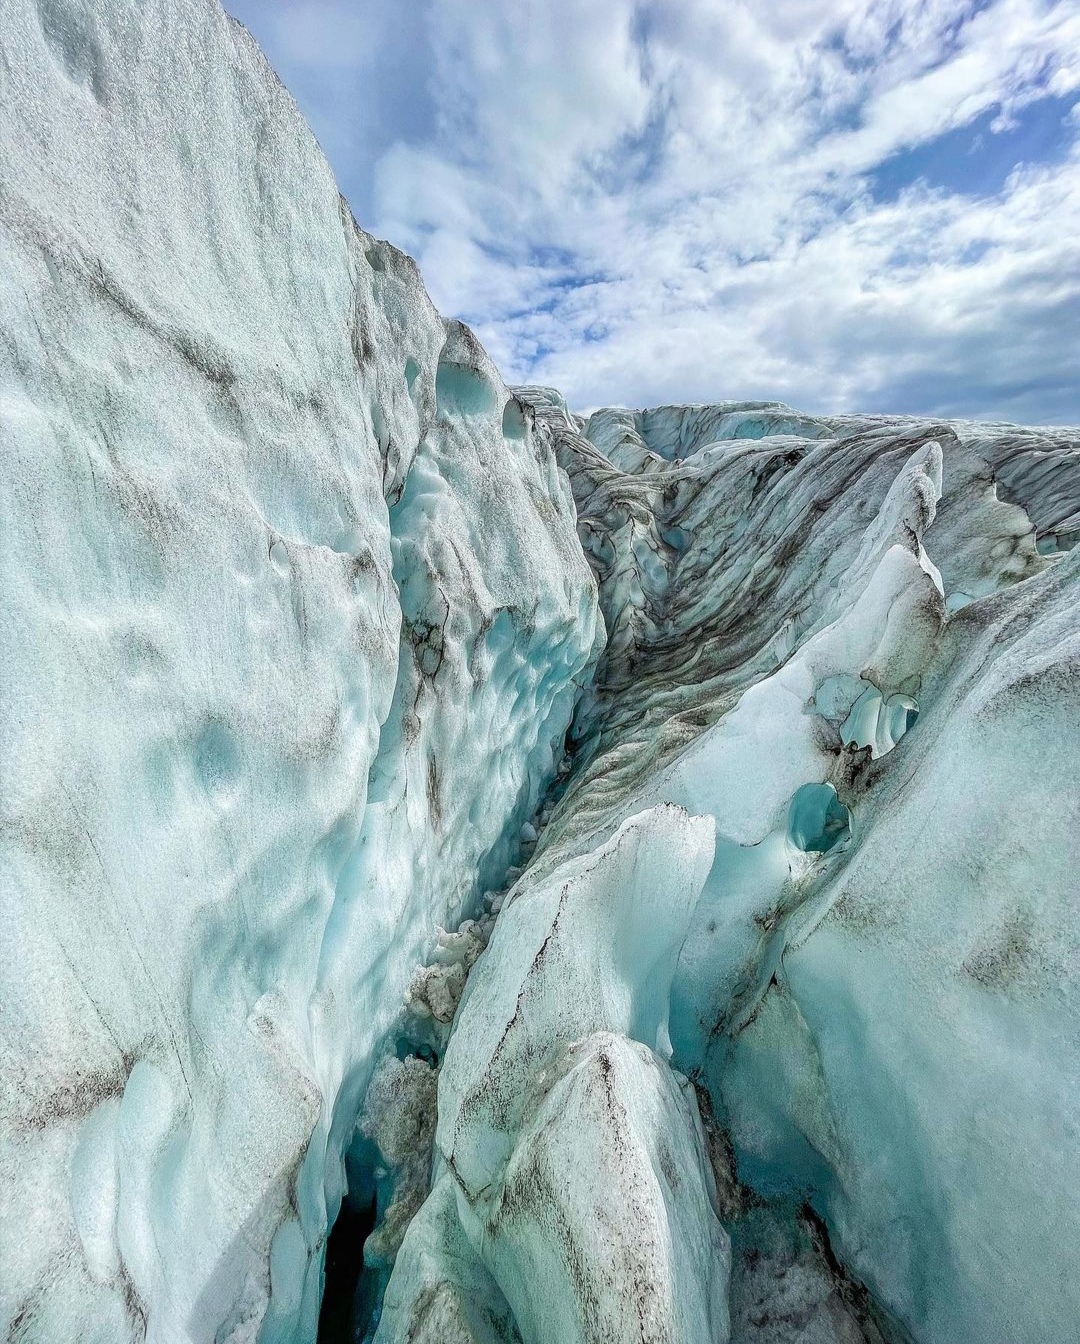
848	205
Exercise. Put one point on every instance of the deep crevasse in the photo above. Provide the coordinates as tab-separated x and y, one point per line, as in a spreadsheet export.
776	1034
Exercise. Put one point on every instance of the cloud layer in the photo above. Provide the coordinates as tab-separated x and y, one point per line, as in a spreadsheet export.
842	204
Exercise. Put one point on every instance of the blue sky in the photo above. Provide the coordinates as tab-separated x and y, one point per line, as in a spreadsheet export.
844	204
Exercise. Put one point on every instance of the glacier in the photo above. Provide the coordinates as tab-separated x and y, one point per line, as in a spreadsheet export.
476	873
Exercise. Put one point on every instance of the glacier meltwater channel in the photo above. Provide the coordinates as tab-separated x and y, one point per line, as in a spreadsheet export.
539	879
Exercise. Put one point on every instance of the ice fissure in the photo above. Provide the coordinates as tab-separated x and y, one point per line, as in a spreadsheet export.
617	872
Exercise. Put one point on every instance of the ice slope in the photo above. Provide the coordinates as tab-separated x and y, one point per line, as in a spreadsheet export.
840	646
292	627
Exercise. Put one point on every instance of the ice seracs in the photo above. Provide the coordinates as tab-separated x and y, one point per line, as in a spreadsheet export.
796	629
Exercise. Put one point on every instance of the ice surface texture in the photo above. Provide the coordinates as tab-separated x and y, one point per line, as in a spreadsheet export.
776	1036
291	638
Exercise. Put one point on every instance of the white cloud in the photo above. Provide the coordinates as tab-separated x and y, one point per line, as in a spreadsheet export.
642	200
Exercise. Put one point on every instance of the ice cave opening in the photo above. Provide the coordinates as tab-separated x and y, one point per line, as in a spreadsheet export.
346	1309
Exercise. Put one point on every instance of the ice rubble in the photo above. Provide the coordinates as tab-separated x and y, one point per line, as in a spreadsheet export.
747	738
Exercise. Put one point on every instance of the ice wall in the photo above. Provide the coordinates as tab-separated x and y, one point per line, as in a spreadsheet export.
291	636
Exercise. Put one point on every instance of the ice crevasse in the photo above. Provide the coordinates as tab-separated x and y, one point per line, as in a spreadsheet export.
616	872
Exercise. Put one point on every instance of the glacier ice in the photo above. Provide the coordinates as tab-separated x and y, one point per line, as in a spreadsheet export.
292	633
874	1023
631	859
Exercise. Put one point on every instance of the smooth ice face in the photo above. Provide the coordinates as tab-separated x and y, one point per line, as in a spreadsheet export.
817	819
877	721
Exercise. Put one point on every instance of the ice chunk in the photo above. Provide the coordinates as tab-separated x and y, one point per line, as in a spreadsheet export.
593	947
441	1292
604	1227
582	1176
